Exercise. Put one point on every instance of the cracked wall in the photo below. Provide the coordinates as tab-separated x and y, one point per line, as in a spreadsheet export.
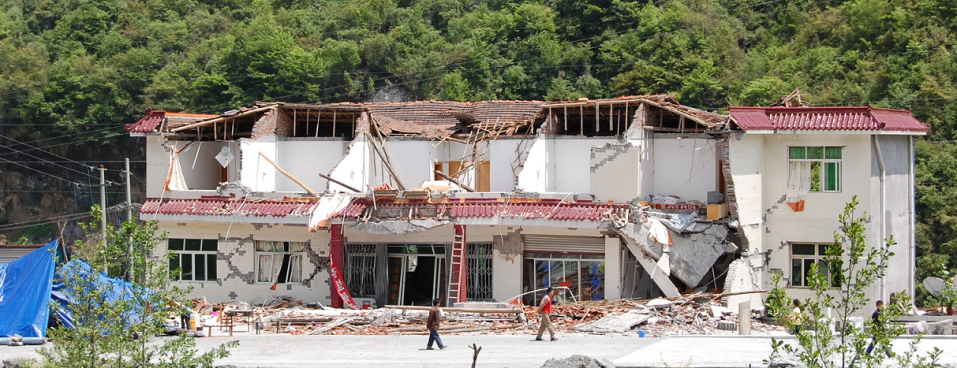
236	261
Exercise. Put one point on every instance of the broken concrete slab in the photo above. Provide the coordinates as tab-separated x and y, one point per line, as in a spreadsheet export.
391	227
615	322
660	278
659	303
692	255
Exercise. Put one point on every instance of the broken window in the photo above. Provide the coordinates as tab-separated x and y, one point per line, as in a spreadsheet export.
823	164
803	255
479	265
360	270
583	275
279	262
192	259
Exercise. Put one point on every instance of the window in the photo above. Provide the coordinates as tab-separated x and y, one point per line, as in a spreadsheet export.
279	262
823	163
192	259
803	255
584	275
479	271
360	270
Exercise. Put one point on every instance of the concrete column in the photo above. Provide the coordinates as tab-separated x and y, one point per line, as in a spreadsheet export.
506	276
744	318
612	268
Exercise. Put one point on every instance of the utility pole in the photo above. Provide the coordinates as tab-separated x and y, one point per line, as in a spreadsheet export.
103	214
129	217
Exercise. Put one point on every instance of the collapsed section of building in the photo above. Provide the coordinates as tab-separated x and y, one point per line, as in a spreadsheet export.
401	203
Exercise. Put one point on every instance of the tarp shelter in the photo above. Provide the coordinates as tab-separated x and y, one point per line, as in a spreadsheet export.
76	269
25	288
28	284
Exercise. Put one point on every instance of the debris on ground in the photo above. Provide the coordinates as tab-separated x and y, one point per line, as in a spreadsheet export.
691	314
577	361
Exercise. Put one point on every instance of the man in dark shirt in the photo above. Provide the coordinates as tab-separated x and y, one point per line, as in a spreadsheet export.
877	326
433	325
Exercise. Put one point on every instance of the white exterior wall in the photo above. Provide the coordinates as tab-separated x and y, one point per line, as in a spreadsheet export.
503	153
896	215
240	253
257	173
686	168
746	158
304	160
157	166
354	166
412	161
572	162
538	171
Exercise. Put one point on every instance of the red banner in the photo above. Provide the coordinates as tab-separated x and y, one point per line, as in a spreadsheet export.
340	283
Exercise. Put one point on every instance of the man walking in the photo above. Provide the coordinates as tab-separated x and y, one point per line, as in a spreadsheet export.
433	325
544	308
877	326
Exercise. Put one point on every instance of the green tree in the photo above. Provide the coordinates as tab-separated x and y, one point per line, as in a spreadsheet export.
840	283
121	333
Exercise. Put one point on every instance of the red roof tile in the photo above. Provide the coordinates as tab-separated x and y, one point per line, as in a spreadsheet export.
488	208
224	206
825	118
148	123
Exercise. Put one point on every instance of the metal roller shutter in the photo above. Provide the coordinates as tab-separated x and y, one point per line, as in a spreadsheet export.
566	244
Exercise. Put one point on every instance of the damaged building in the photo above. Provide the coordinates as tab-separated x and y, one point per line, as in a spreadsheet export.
400	203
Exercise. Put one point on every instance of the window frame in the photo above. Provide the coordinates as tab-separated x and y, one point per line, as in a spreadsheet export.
357	275
579	259
210	258
819	256
824	161
294	267
479	271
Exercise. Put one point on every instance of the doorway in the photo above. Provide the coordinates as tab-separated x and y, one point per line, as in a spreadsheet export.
417	274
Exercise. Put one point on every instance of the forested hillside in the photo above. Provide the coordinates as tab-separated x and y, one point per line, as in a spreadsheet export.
73	71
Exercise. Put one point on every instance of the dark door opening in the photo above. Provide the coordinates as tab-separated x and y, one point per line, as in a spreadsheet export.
419	283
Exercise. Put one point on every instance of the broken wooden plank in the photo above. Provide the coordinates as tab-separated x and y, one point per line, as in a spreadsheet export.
288	175
347	186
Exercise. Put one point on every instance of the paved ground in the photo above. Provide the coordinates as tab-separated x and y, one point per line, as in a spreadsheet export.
269	350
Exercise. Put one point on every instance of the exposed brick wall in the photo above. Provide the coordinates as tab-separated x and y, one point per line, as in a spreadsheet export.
272	123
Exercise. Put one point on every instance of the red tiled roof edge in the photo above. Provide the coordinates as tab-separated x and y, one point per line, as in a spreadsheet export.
224	206
825	118
148	123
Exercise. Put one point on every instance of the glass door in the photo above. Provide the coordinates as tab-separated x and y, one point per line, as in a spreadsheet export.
397	267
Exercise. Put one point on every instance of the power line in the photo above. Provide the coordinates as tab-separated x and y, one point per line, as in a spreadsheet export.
52	163
48	152
41	172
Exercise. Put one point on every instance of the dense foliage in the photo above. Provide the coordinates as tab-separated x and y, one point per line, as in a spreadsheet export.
83	64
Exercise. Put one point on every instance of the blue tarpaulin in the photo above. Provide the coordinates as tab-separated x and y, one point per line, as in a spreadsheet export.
116	289
25	288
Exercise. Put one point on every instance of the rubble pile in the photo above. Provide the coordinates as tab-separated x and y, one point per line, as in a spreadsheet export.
693	314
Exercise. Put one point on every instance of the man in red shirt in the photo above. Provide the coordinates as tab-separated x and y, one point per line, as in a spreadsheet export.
544	308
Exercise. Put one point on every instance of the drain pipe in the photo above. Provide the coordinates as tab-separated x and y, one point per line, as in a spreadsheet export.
912	218
880	163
